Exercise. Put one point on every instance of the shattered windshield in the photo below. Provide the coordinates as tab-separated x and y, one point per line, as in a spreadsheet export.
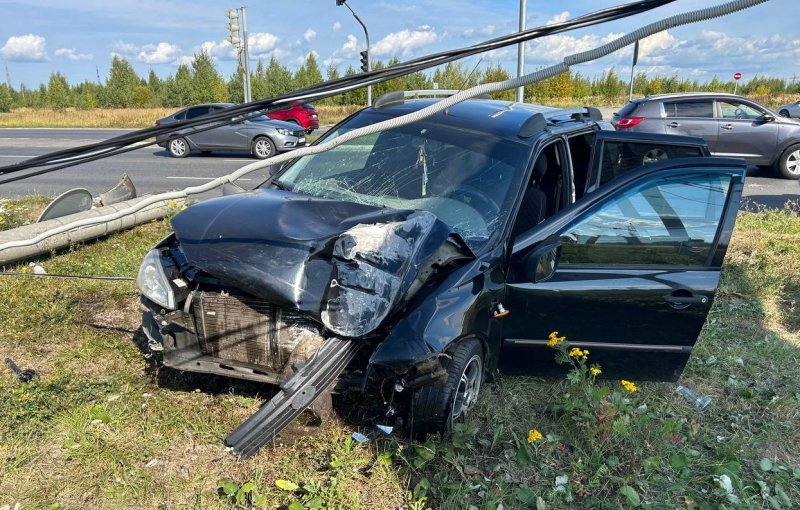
463	177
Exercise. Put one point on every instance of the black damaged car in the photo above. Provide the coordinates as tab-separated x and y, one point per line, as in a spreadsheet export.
417	262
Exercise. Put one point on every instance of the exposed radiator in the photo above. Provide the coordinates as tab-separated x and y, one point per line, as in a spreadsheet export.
247	330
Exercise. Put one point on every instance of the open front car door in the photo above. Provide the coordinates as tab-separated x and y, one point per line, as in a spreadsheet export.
628	272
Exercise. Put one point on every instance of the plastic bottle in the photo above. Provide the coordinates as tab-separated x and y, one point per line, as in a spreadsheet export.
697	400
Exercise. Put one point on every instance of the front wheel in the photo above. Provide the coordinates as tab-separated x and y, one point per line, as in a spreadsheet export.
789	162
784	113
437	406
262	148
178	148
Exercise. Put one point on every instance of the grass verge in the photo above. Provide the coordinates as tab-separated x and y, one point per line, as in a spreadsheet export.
97	430
132	118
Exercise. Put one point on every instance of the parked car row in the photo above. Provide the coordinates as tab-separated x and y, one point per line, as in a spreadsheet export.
731	125
262	136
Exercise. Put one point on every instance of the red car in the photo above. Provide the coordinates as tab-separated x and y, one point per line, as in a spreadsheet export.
302	114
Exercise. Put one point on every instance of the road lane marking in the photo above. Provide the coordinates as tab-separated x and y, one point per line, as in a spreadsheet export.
4	156
242	159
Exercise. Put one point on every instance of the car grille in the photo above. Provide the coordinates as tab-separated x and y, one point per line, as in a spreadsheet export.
299	133
247	330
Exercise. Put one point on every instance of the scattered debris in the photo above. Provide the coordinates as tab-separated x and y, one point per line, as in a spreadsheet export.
123	190
36	268
361	438
22	375
697	400
70	202
386	429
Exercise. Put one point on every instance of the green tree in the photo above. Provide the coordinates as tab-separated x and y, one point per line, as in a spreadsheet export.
58	92
308	74
122	79
236	86
6	98
258	81
495	73
207	84
155	84
357	96
278	78
142	97
177	90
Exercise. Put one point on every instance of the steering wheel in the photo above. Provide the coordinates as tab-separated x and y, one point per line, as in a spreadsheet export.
476	199
739	113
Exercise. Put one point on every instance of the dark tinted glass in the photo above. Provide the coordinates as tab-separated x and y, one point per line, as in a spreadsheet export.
197	111
180	116
628	108
690	109
669	222
622	157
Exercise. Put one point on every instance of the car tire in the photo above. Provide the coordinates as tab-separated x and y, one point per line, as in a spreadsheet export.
178	147
437	406
262	148
784	113
309	131
789	162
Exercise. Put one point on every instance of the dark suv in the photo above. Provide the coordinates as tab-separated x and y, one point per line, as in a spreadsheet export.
412	263
731	126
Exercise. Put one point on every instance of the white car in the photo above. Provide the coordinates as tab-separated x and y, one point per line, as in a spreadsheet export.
791	110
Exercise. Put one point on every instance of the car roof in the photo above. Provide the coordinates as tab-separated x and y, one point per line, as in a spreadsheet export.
498	118
693	95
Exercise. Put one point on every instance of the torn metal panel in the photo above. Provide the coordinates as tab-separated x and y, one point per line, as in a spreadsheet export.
346	265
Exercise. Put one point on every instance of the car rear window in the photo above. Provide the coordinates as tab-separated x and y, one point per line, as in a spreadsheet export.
628	108
690	109
308	106
196	112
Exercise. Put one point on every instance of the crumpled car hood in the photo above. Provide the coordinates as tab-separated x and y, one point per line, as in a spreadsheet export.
347	265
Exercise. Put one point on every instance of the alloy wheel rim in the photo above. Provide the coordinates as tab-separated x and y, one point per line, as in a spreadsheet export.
793	163
262	148
469	386
178	147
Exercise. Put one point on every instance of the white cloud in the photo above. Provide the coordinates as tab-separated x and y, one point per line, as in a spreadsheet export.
161	53
337	26
309	35
72	54
558	18
302	59
222	50
406	41
488	30
261	44
349	50
25	48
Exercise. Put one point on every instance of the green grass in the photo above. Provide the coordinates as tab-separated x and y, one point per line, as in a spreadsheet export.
96	430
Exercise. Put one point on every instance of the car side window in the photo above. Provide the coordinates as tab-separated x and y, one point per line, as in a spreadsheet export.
620	157
195	112
734	110
180	116
673	221
703	109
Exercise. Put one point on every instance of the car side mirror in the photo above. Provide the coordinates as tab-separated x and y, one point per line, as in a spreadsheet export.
767	118
541	263
238	119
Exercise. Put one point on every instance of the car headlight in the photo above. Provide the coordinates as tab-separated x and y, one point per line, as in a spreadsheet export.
153	282
284	132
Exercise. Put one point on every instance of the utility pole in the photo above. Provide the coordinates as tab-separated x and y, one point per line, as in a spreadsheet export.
238	39
635	61
523	14
365	63
8	75
97	71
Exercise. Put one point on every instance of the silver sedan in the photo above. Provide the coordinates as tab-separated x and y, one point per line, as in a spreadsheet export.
790	110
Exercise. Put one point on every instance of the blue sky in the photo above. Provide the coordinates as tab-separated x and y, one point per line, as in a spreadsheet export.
80	36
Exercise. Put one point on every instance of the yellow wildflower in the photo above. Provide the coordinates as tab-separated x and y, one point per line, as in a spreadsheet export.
595	371
577	353
629	386
555	339
534	435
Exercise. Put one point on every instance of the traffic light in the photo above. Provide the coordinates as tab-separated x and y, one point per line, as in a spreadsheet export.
364	61
233	26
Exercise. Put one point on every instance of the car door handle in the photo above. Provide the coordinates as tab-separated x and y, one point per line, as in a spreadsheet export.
683	300
674	124
727	126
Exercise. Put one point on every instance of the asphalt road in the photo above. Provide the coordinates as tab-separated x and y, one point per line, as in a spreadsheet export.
152	169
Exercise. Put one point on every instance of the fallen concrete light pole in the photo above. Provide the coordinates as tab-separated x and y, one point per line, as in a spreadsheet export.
152	212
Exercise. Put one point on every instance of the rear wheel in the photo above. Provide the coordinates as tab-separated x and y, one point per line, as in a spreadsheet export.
784	113
262	148
178	148
789	162
437	406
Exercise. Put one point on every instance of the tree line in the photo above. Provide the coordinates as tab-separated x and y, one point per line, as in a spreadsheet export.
200	82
